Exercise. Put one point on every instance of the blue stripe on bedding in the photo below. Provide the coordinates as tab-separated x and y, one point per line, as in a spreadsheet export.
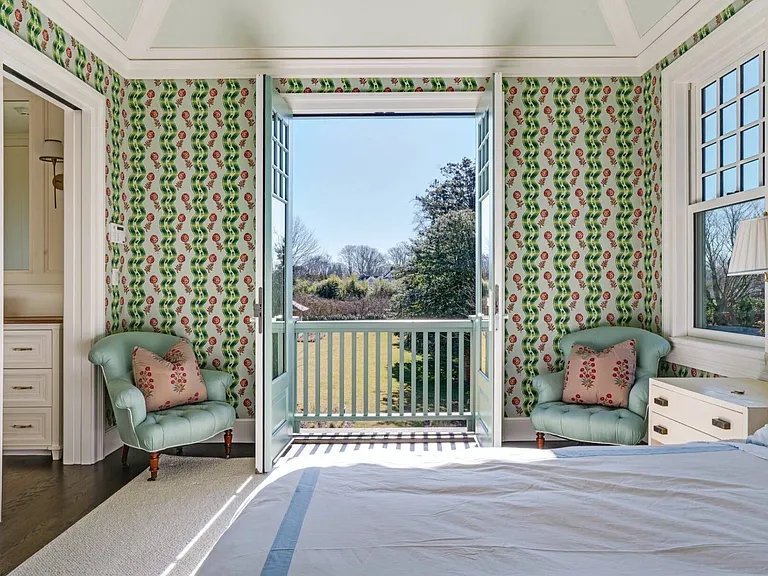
578	452
280	555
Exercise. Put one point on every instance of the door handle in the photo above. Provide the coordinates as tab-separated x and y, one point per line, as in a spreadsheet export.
260	309
720	423
23	349
23	387
21	426
660	429
661	401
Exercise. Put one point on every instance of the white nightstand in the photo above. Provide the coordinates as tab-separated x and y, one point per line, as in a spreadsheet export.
705	409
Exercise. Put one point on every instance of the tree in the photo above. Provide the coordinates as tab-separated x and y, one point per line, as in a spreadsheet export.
305	244
730	300
363	260
454	192
439	279
398	255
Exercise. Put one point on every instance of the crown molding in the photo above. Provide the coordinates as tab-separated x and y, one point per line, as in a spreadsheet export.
682	29
106	46
402	67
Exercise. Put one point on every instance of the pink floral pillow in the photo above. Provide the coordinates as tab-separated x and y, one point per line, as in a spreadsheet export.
169	381
604	377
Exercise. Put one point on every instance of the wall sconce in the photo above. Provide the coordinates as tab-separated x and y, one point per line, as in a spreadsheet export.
53	152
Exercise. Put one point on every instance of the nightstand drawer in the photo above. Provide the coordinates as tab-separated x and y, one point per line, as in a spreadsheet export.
664	430
711	419
32	387
27	349
24	427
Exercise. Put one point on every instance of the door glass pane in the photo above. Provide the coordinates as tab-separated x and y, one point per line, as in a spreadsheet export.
728	119
278	287
726	303
750	74
709	128
728	151
728	181
728	87
487	291
750	108
750	142
709	97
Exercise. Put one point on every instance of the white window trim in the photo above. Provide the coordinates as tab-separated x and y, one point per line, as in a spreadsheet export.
721	353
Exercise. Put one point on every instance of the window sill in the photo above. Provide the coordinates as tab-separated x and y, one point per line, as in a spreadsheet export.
721	358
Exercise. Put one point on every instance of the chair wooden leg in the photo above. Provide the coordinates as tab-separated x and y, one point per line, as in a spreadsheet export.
227	443
154	465
540	440
124	458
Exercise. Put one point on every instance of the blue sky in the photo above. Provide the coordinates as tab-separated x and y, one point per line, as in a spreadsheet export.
355	178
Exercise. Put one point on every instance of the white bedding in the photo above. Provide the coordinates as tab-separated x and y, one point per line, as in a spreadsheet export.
504	511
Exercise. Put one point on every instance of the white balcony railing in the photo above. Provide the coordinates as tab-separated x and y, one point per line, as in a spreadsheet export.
384	370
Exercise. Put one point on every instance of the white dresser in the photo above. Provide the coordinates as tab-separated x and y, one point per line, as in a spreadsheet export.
32	408
705	409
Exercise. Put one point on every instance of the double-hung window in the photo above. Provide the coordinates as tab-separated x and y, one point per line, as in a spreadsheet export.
714	178
727	188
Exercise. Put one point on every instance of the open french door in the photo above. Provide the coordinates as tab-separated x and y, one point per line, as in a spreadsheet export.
489	275
276	294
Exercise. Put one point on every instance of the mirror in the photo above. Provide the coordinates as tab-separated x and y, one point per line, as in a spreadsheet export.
16	181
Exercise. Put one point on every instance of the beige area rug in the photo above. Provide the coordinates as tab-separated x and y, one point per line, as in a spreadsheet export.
162	528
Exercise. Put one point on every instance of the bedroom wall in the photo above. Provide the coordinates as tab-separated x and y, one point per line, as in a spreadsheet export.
553	287
580	220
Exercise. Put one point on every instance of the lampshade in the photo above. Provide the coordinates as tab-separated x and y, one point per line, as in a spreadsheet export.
750	251
53	151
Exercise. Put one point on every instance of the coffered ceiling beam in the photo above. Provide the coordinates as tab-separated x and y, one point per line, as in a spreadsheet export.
148	20
622	26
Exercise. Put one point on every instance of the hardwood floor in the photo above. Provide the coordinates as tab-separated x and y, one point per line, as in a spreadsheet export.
42	498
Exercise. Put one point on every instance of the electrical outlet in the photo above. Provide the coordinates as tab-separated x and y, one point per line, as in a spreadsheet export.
115	276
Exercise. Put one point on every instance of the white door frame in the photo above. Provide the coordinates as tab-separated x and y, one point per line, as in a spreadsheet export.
84	243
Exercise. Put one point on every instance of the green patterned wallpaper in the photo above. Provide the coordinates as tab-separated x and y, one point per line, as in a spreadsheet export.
578	219
327	85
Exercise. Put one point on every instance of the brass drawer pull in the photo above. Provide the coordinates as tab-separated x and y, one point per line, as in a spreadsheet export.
661	401
21	426
720	423
23	349
660	429
23	387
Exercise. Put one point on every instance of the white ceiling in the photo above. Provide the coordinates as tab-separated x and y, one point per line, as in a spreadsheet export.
140	34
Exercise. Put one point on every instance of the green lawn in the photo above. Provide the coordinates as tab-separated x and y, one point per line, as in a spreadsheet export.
376	373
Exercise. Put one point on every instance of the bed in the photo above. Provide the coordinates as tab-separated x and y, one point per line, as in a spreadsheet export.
688	509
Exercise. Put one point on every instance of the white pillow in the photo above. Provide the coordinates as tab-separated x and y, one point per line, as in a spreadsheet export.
760	437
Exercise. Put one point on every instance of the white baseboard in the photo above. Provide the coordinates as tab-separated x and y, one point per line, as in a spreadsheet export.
111	440
243	432
520	430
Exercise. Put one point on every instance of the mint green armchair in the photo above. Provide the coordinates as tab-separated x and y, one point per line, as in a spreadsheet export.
163	429
598	424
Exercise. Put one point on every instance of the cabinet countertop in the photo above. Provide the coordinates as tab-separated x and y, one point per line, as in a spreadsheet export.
33	320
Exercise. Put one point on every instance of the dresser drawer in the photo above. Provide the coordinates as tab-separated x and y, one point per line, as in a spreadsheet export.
27	349
26	427
31	387
663	430
711	419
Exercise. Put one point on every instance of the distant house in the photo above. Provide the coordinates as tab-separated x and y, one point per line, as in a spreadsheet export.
387	277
